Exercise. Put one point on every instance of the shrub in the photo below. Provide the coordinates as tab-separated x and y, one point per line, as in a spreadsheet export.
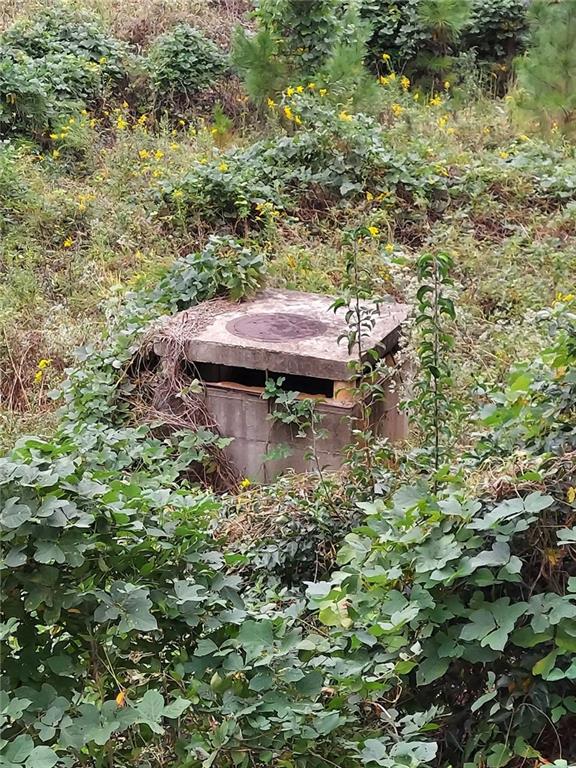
497	29
331	155
471	602
184	62
51	65
61	30
407	29
296	41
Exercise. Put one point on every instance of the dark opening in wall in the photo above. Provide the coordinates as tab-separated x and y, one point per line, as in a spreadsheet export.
212	373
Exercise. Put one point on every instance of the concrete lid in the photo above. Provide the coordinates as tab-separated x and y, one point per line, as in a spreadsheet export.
301	337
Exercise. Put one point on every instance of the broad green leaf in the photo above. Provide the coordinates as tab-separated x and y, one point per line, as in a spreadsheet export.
13	515
176	708
20	749
545	665
150	710
42	757
431	669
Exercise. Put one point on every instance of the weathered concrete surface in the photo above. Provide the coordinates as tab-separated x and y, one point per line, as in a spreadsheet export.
321	356
237	405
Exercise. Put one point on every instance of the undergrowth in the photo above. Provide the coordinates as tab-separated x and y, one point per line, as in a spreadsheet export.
417	607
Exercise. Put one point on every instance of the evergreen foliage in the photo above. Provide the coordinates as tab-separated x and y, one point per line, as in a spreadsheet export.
547	72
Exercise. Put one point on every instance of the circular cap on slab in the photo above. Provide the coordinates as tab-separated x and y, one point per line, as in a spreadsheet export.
275	326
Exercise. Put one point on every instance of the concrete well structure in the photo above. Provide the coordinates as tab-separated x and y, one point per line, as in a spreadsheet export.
299	337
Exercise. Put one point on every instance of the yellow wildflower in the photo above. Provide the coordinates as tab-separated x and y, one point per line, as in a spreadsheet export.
297	120
53	136
68	243
504	155
345	116
290	91
245	483
322	91
143	119
121	124
451	131
271	103
385	57
44	363
121	699
177	193
571	495
156	173
288	113
143	154
158	154
223	167
181	122
447	85
102	60
397	109
405	83
442	121
416	97
56	154
523	137
38	376
374	231
125	104
389	247
435	101
299	89
173	145
369	196
311	86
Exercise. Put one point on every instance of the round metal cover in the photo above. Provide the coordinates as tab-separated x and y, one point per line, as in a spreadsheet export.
275	326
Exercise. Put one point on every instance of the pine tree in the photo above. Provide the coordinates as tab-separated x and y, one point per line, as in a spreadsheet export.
547	71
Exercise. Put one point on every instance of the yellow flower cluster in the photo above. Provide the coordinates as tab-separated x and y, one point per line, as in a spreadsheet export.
405	83
289	115
435	101
68	242
83	199
370	197
397	109
387	79
565	297
40	368
266	210
345	116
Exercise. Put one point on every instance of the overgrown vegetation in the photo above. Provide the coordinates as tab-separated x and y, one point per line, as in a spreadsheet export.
415	608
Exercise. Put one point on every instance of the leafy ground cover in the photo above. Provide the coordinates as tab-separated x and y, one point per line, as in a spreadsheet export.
390	615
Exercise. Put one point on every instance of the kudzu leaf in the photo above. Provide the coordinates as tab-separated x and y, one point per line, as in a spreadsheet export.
42	757
176	708
431	669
